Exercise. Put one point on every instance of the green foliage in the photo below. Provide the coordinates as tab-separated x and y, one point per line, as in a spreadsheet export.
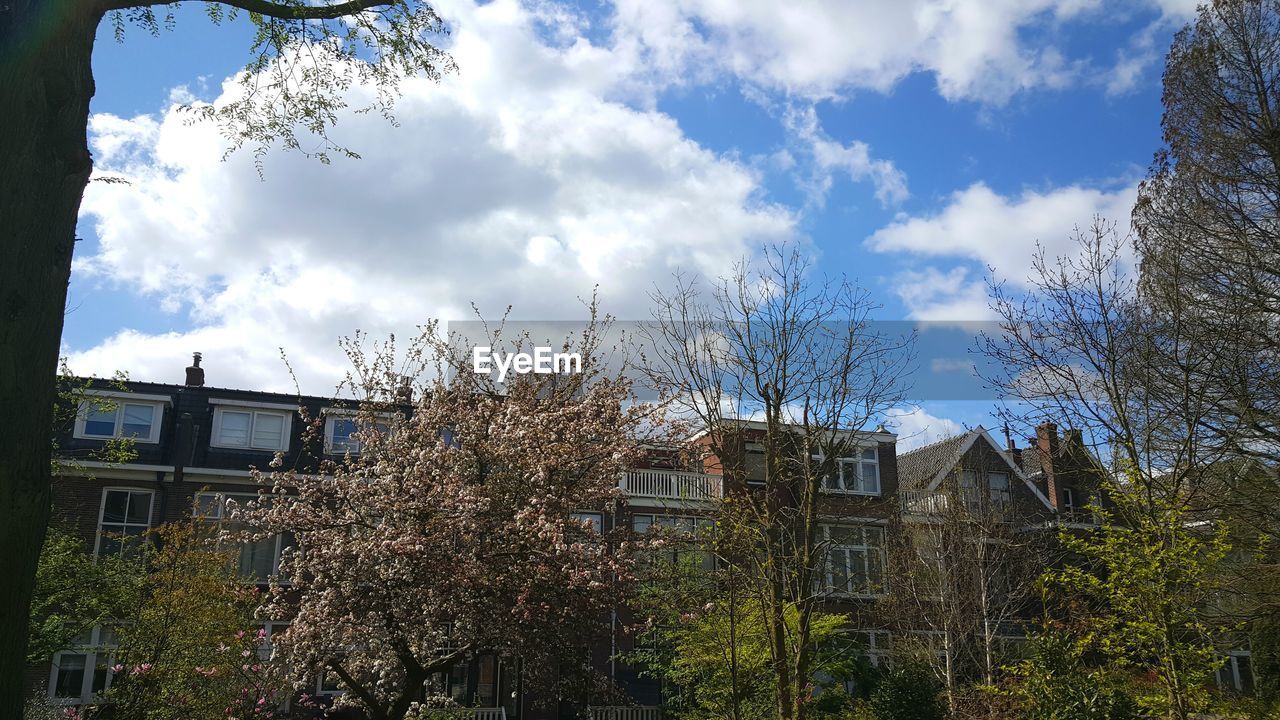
1265	643
910	691
74	591
72	396
1148	574
1055	682
188	648
708	641
308	63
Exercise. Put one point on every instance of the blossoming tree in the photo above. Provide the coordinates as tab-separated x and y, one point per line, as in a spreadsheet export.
452	531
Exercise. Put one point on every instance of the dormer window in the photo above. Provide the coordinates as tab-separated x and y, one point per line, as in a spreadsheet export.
857	475
341	429
251	426
120	415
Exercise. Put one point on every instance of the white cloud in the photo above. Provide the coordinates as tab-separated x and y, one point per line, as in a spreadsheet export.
517	181
937	296
829	157
820	49
916	427
998	232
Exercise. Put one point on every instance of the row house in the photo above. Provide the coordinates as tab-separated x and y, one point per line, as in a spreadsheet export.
196	444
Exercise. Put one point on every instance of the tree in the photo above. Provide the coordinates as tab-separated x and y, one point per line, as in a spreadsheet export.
964	569
303	59
703	634
1056	680
1206	217
452	532
188	647
802	356
1209	246
75	591
1149	579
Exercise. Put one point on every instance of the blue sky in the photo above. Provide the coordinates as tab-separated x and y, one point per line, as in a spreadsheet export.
910	144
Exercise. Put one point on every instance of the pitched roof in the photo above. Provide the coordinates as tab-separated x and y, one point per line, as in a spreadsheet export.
925	467
917	468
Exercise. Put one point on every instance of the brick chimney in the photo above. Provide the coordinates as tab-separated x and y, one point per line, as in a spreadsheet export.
195	373
1047	444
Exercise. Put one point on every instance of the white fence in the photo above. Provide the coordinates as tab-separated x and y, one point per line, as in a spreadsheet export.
671	485
626	713
490	714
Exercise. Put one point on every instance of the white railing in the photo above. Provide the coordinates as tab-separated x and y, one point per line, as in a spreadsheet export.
626	713
670	484
490	714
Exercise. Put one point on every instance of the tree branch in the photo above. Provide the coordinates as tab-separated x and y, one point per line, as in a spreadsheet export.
268	8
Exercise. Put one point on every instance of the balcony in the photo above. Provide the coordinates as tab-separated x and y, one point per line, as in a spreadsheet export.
671	485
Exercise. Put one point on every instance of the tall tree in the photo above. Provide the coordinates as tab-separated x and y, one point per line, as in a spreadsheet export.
1208	235
801	354
303	58
452	532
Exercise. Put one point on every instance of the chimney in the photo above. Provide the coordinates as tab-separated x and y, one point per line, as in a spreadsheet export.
1047	444
404	392
195	373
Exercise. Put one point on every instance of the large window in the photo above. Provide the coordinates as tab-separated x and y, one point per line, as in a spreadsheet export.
682	526
110	419
855	560
124	520
257	559
859	475
235	427
82	672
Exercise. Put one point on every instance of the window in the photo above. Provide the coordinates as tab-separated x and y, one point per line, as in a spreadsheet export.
251	429
685	525
998	487
594	520
258	559
854	560
329	684
1236	674
340	431
1068	501
82	672
124	520
858	475
109	419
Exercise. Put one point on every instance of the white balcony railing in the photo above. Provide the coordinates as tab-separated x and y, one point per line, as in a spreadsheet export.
626	713
490	714
671	485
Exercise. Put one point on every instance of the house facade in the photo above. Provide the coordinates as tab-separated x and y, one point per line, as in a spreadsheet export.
196	445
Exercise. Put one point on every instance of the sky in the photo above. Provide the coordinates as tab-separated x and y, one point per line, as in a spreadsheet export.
922	148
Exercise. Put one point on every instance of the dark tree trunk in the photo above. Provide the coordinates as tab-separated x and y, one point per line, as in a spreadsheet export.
46	82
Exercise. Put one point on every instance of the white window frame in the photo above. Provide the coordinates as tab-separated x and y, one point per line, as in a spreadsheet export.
1068	501
102	511
215	439
320	688
219	505
90	650
119	400
596	519
836	482
332	415
875	586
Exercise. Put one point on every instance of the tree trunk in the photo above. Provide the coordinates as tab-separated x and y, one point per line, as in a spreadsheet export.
46	83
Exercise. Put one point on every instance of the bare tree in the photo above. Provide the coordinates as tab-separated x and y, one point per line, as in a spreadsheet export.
964	562
804	359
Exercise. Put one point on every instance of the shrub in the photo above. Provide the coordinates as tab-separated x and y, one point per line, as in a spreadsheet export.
907	692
